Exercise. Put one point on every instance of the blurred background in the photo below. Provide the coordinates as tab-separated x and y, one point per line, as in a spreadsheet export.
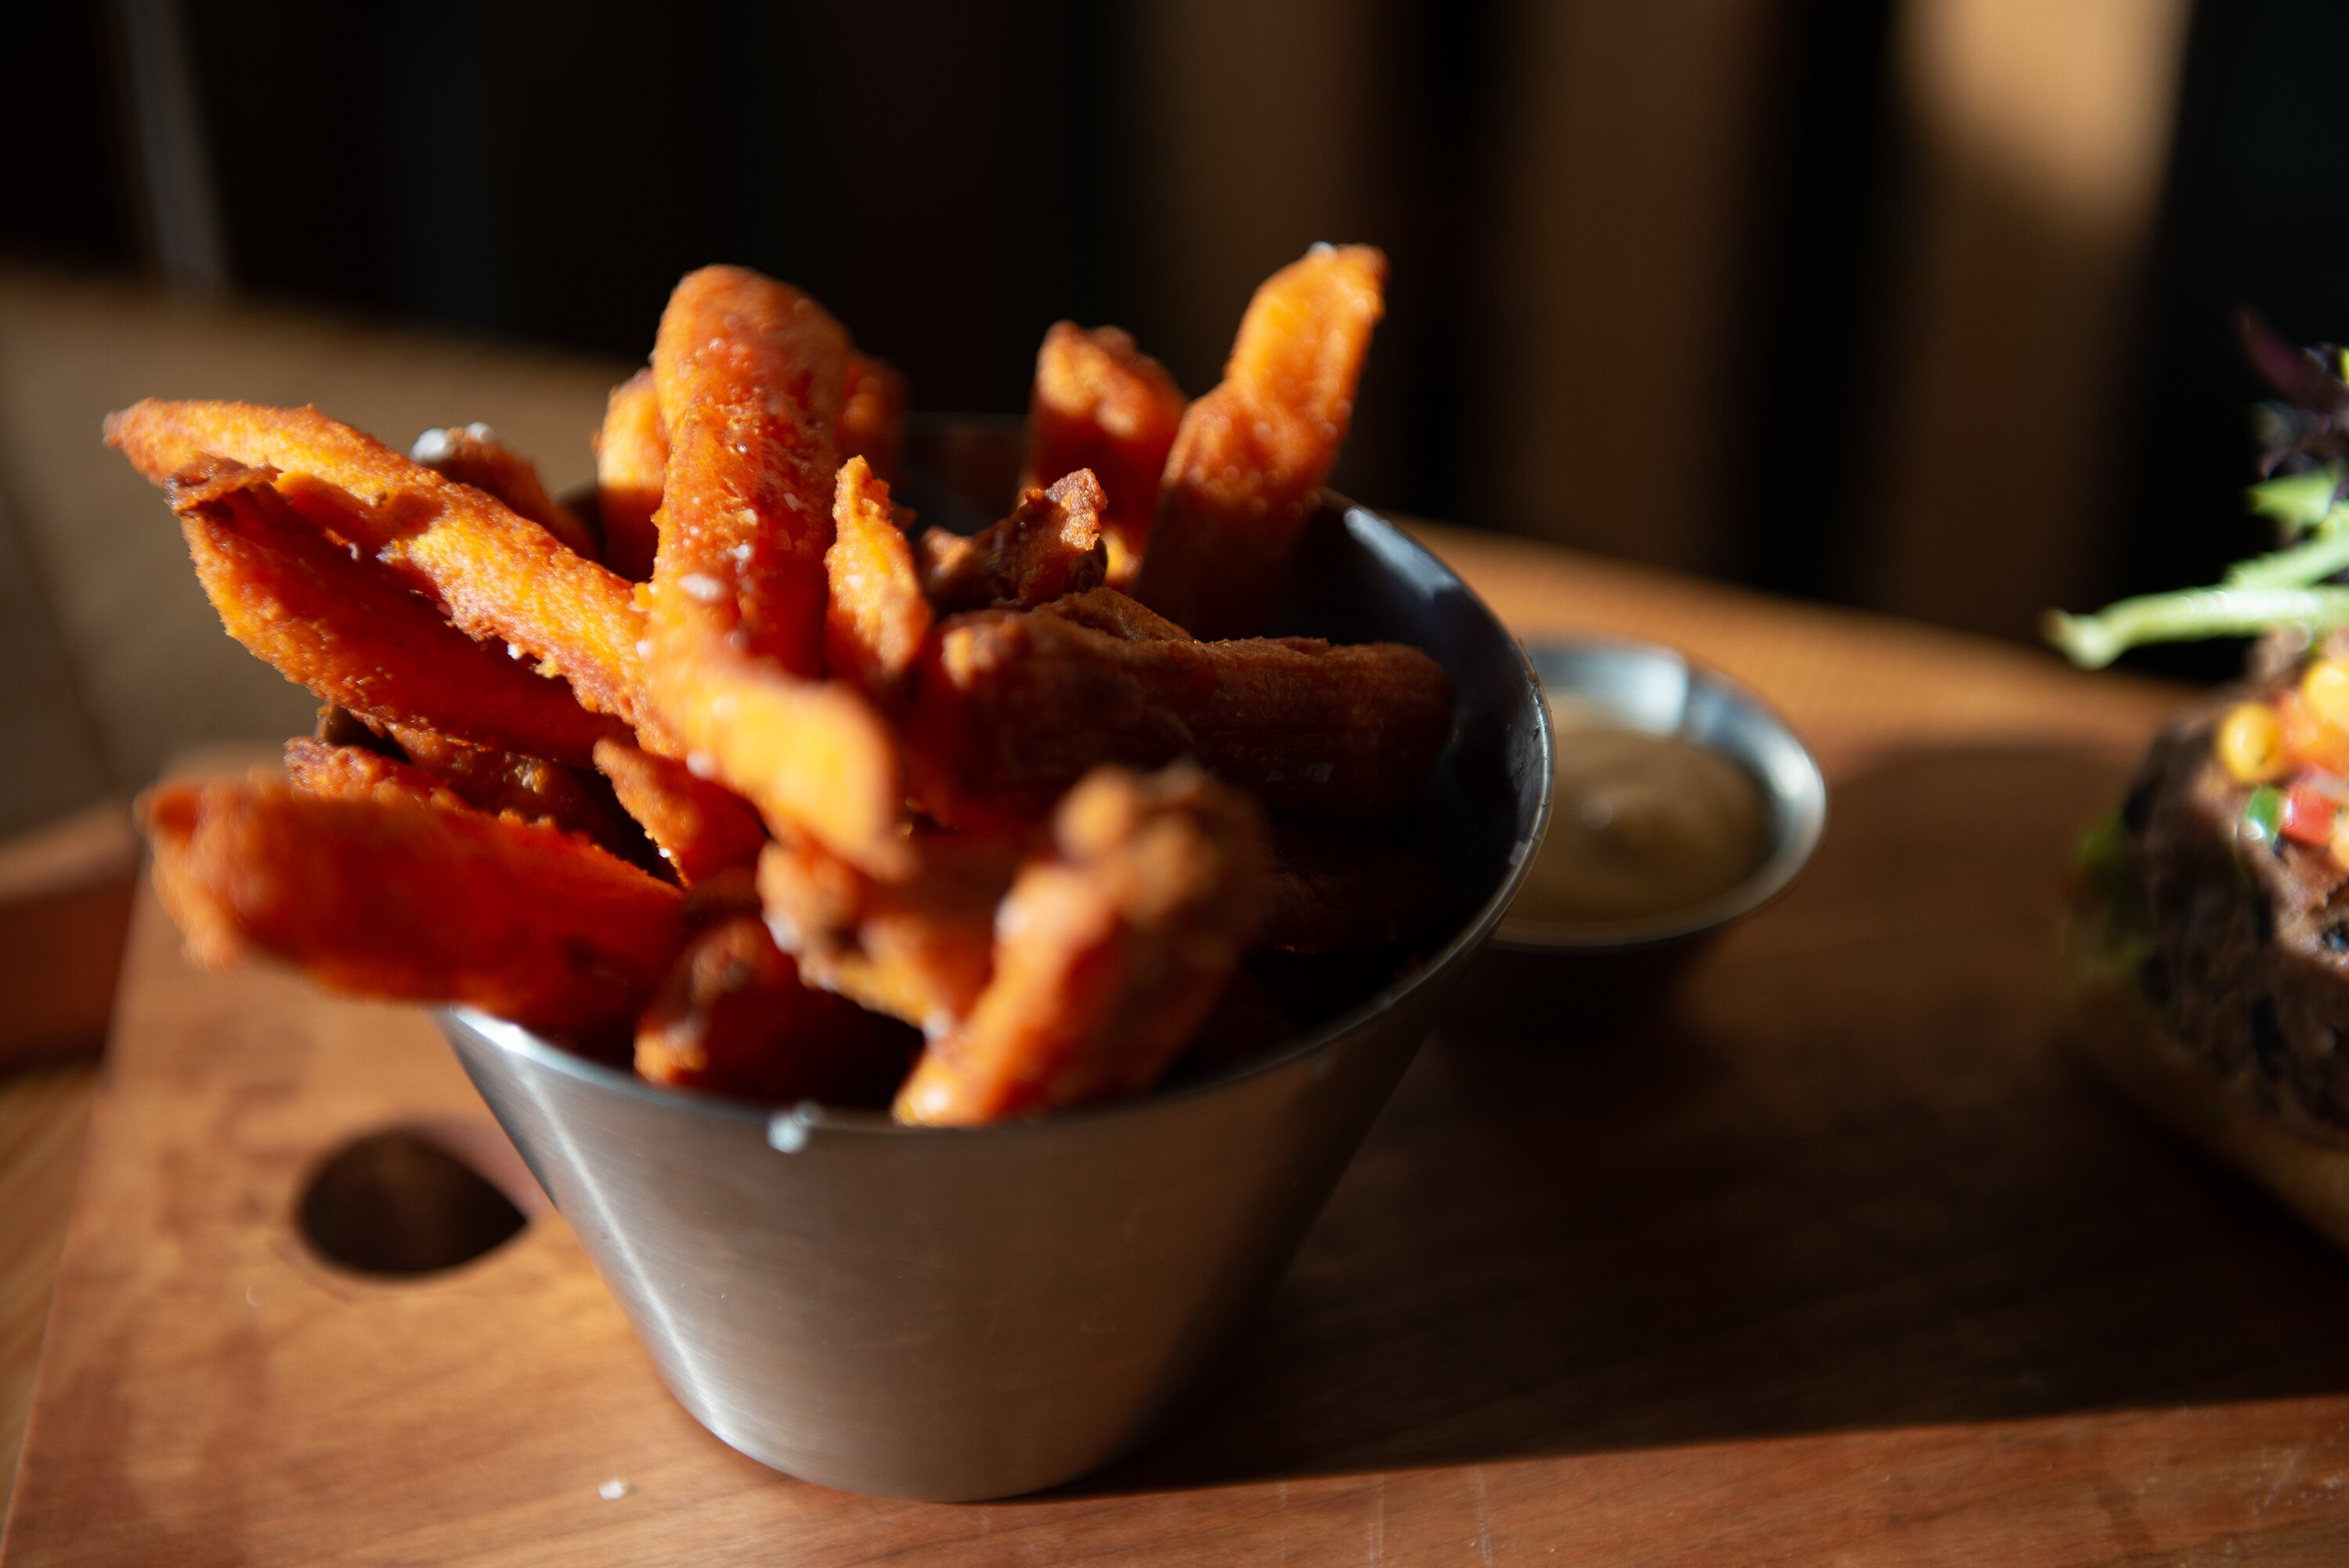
1919	306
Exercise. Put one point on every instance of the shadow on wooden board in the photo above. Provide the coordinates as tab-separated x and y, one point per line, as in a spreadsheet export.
1853	1181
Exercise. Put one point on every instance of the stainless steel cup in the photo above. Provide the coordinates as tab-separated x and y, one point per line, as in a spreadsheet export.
1586	984
960	1314
1657	690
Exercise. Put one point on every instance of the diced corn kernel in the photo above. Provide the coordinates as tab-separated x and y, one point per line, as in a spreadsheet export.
2325	689
2340	844
2251	744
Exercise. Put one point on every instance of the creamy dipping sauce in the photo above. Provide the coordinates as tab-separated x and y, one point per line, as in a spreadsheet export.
1642	825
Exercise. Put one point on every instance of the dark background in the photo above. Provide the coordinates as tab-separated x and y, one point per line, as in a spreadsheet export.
951	178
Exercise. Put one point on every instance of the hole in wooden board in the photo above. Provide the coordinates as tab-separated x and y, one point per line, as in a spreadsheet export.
417	1199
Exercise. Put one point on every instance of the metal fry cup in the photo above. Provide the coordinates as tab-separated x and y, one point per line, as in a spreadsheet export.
958	1314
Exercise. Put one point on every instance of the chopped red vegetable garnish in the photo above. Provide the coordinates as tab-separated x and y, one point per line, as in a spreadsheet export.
2307	816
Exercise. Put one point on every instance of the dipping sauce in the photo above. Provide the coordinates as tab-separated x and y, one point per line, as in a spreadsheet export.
1643	825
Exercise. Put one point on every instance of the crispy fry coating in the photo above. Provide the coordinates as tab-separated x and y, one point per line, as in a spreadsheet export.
1100	403
749	375
358	773
759	663
875	616
1350	730
389	896
472	455
1247	467
632	452
1108	953
532	788
872	414
1050	546
631	455
812	755
350	632
1110	612
1012	706
918	948
346	758
701	828
500	577
734	1018
922	948
732	893
339	725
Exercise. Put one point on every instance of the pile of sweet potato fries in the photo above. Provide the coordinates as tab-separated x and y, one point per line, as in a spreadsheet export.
737	773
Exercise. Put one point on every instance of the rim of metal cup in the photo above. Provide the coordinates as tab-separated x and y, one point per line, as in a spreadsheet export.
789	1127
1764	743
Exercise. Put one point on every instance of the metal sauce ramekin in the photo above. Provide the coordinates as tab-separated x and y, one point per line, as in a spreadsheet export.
1582	983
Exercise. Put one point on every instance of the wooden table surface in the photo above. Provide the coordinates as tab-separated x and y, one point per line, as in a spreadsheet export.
1841	1258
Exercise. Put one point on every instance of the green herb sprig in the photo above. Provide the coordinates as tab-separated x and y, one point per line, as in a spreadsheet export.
2284	589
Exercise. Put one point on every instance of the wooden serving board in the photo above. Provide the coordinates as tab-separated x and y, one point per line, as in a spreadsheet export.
1839	1259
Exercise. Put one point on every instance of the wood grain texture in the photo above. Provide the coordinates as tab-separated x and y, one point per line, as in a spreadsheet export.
42	1117
1838	1258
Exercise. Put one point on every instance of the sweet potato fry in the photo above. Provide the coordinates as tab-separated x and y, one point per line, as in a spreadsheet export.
339	725
1050	546
472	455
749	375
1100	403
728	894
392	897
1348	730
358	773
1109	951
875	616
701	828
345	758
500	577
918	948
631	453
921	948
872	414
812	755
532	788
734	1018
351	634
1012	706
1110	612
1246	466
